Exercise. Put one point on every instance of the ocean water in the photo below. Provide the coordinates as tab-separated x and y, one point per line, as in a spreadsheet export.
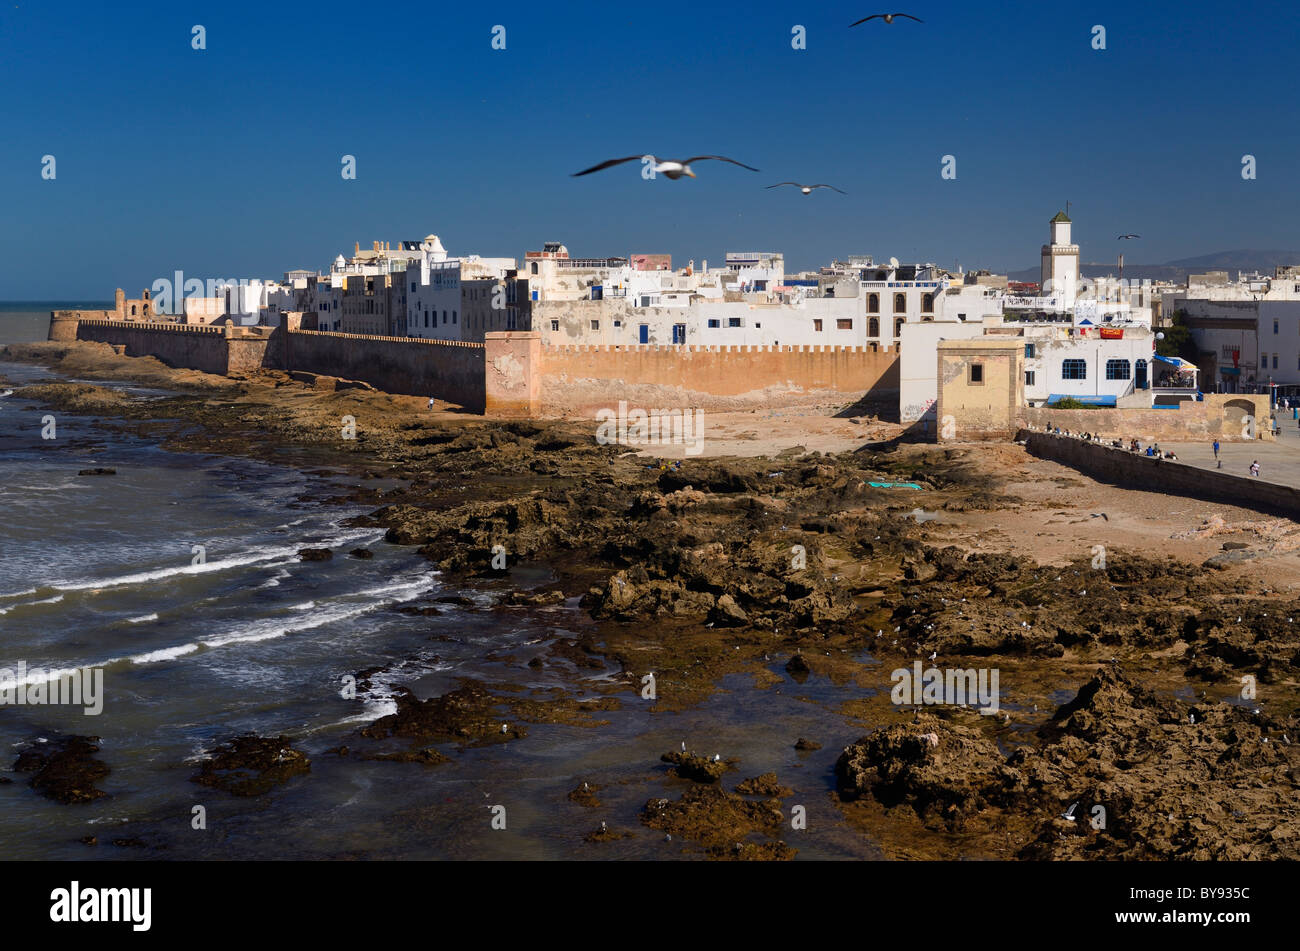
102	571
27	321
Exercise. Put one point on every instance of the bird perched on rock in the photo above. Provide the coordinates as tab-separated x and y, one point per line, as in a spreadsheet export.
807	189
887	17
669	168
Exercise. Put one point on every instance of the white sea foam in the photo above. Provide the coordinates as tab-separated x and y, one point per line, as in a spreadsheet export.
27	604
142	619
166	653
158	574
268	629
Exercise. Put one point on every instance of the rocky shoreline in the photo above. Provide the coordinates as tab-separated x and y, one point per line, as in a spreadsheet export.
1122	683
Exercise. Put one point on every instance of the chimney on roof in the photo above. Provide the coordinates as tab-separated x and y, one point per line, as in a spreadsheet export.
356	247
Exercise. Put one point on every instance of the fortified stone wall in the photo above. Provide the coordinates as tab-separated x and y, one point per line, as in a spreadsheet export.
577	378
447	369
63	323
511	373
177	345
1219	416
1135	471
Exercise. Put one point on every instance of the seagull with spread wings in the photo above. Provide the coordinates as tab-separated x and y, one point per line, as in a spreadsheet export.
670	168
807	189
1123	236
887	17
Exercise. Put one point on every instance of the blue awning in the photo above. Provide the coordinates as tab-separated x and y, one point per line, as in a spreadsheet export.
1175	361
1102	400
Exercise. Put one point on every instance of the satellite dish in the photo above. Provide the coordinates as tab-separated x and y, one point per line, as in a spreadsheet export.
893	262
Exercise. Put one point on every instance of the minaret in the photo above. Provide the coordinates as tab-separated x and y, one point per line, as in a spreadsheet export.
1060	269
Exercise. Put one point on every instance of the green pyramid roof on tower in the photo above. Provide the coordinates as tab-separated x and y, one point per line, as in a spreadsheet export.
1061	216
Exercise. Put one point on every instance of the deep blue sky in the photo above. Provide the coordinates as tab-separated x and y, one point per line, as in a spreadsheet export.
225	162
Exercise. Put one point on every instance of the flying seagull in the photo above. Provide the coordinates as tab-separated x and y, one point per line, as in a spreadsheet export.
887	17
807	189
671	168
1123	236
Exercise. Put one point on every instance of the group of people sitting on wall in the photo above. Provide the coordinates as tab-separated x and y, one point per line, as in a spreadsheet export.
1153	450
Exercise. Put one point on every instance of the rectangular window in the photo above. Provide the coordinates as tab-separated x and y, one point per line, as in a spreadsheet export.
733	322
713	322
1275	326
844	323
1029	378
1074	370
595	325
817	324
1029	351
555	326
1118	370
977	374
1275	361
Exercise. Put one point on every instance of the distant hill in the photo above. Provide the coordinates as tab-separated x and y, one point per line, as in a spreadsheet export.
1231	261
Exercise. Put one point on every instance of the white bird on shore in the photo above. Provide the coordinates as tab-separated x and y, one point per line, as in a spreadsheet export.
505	728
683	746
717	758
7	393
670	168
1069	813
933	654
807	189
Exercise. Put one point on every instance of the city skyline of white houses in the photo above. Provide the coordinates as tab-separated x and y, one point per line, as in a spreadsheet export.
1246	333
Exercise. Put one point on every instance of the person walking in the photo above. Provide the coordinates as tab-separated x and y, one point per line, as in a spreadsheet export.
1254	468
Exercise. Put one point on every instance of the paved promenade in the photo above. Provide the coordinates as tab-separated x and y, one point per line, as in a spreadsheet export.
1278	461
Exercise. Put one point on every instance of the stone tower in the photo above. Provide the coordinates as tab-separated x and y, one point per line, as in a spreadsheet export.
1059	275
